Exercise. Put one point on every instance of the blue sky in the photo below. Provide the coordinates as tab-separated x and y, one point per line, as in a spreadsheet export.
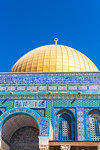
27	24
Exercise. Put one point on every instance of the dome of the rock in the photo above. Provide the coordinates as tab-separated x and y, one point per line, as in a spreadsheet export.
54	58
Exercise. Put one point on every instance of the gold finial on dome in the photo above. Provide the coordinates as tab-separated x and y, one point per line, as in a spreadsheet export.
56	40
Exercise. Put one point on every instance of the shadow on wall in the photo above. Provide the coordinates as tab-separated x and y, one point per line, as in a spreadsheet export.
25	138
84	148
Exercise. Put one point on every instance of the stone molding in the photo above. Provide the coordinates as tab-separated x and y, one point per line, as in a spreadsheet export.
55	96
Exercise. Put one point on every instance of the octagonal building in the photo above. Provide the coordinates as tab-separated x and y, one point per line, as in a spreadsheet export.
50	100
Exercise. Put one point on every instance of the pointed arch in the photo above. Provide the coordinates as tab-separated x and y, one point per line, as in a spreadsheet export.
64	128
93	125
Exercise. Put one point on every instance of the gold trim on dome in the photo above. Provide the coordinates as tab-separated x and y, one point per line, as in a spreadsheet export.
54	58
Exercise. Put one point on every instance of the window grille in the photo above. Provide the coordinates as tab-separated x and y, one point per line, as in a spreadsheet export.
95	127
65	128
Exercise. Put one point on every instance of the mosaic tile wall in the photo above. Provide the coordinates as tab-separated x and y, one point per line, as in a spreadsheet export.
67	103
77	91
8	104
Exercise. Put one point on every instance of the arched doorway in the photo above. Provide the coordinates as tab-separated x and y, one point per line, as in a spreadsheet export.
21	132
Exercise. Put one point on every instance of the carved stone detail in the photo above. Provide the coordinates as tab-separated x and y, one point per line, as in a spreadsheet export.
44	147
98	148
65	147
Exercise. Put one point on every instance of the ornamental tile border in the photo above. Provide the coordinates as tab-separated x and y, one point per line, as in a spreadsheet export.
50	78
80	124
43	122
58	88
50	96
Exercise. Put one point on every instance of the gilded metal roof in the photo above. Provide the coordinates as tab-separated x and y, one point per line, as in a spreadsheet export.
54	58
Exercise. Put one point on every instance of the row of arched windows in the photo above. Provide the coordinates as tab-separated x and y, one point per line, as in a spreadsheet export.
66	126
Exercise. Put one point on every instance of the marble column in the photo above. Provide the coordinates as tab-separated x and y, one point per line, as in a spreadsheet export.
43	143
65	147
3	145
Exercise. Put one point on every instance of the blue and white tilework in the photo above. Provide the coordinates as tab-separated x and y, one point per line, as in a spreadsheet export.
42	121
80	124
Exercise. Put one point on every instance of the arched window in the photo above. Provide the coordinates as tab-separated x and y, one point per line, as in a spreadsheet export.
65	127
95	127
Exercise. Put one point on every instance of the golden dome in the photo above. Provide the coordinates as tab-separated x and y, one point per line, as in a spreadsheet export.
54	58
